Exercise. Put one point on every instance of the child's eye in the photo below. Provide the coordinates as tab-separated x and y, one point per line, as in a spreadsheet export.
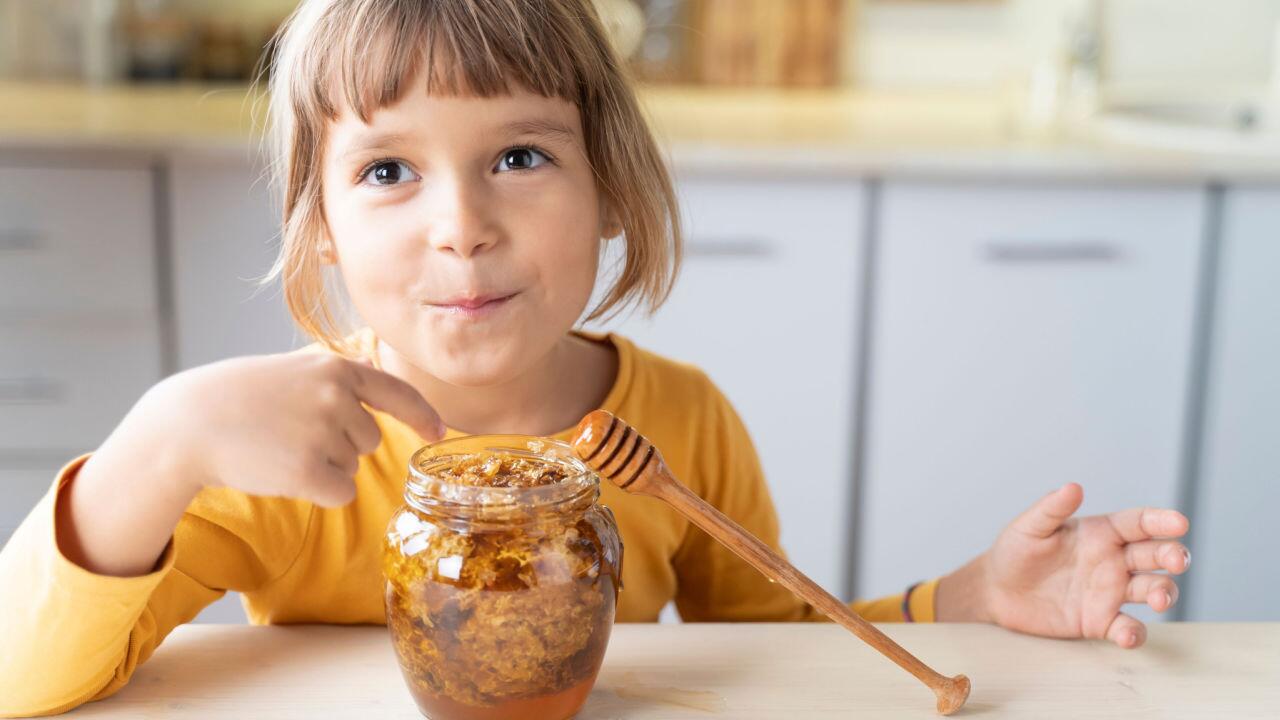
389	172
522	158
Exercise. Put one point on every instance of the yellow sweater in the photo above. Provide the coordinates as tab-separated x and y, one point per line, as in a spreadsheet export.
70	636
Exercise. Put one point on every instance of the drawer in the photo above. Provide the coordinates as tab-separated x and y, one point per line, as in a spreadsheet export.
63	388
20	490
72	239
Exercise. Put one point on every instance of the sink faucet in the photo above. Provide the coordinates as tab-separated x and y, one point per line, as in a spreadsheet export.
1084	46
1063	42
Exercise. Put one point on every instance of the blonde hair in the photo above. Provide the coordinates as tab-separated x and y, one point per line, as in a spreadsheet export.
360	54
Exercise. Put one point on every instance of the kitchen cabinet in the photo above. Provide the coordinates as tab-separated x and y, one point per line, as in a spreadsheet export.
767	306
1022	337
79	337
1235	575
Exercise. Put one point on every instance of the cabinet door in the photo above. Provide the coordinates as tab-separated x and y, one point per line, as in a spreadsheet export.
766	305
1235	575
1022	338
225	237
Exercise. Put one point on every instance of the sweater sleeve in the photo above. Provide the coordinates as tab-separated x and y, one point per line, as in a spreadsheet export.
714	584
72	636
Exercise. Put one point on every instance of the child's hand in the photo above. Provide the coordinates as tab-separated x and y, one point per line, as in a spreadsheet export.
279	425
286	425
1054	575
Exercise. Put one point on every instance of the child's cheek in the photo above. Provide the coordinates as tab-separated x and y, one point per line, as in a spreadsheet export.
378	262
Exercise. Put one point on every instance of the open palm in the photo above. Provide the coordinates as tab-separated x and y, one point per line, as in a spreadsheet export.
1054	575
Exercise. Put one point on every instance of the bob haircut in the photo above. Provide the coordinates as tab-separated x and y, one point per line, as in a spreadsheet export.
360	55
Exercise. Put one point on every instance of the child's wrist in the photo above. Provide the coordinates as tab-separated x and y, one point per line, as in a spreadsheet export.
156	433
119	513
141	463
963	596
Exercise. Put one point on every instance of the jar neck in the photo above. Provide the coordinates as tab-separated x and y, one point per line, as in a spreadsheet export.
432	490
505	507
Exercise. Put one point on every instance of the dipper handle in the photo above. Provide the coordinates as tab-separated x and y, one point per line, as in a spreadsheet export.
615	450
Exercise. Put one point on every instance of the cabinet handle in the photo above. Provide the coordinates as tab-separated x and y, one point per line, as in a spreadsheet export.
1069	251
706	247
31	391
16	240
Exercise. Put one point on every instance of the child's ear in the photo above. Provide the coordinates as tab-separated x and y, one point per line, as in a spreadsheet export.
328	256
611	225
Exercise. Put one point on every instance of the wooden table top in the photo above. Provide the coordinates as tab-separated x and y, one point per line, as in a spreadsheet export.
739	671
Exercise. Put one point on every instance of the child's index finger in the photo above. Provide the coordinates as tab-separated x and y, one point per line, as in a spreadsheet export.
392	395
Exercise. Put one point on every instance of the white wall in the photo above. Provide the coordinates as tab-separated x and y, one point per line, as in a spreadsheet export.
925	44
1192	42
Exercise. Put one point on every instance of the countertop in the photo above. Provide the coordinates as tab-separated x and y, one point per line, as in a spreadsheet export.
742	671
734	131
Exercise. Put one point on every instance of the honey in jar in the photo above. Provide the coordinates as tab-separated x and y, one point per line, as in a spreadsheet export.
502	576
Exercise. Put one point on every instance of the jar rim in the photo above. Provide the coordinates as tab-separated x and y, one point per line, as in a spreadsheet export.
433	493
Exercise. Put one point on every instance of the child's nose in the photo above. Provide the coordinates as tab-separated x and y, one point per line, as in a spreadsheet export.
461	221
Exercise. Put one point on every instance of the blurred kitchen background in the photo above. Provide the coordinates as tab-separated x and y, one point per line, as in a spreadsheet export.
943	255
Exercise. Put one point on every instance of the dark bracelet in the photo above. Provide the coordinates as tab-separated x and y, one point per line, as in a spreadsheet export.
906	602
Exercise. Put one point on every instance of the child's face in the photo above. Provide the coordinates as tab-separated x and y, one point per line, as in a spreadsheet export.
467	229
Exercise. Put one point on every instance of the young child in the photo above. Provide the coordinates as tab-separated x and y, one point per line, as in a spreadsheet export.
461	162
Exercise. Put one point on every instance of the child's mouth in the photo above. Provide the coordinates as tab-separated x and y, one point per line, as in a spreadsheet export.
472	307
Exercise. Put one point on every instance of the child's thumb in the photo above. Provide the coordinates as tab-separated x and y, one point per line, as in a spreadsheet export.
1048	513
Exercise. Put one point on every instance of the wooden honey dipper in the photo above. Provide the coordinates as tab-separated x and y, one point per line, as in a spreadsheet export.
615	450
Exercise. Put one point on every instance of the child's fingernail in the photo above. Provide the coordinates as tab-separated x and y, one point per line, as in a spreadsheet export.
1168	599
1133	639
1186	559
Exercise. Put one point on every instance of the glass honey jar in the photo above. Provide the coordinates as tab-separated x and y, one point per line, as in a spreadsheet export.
502	577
